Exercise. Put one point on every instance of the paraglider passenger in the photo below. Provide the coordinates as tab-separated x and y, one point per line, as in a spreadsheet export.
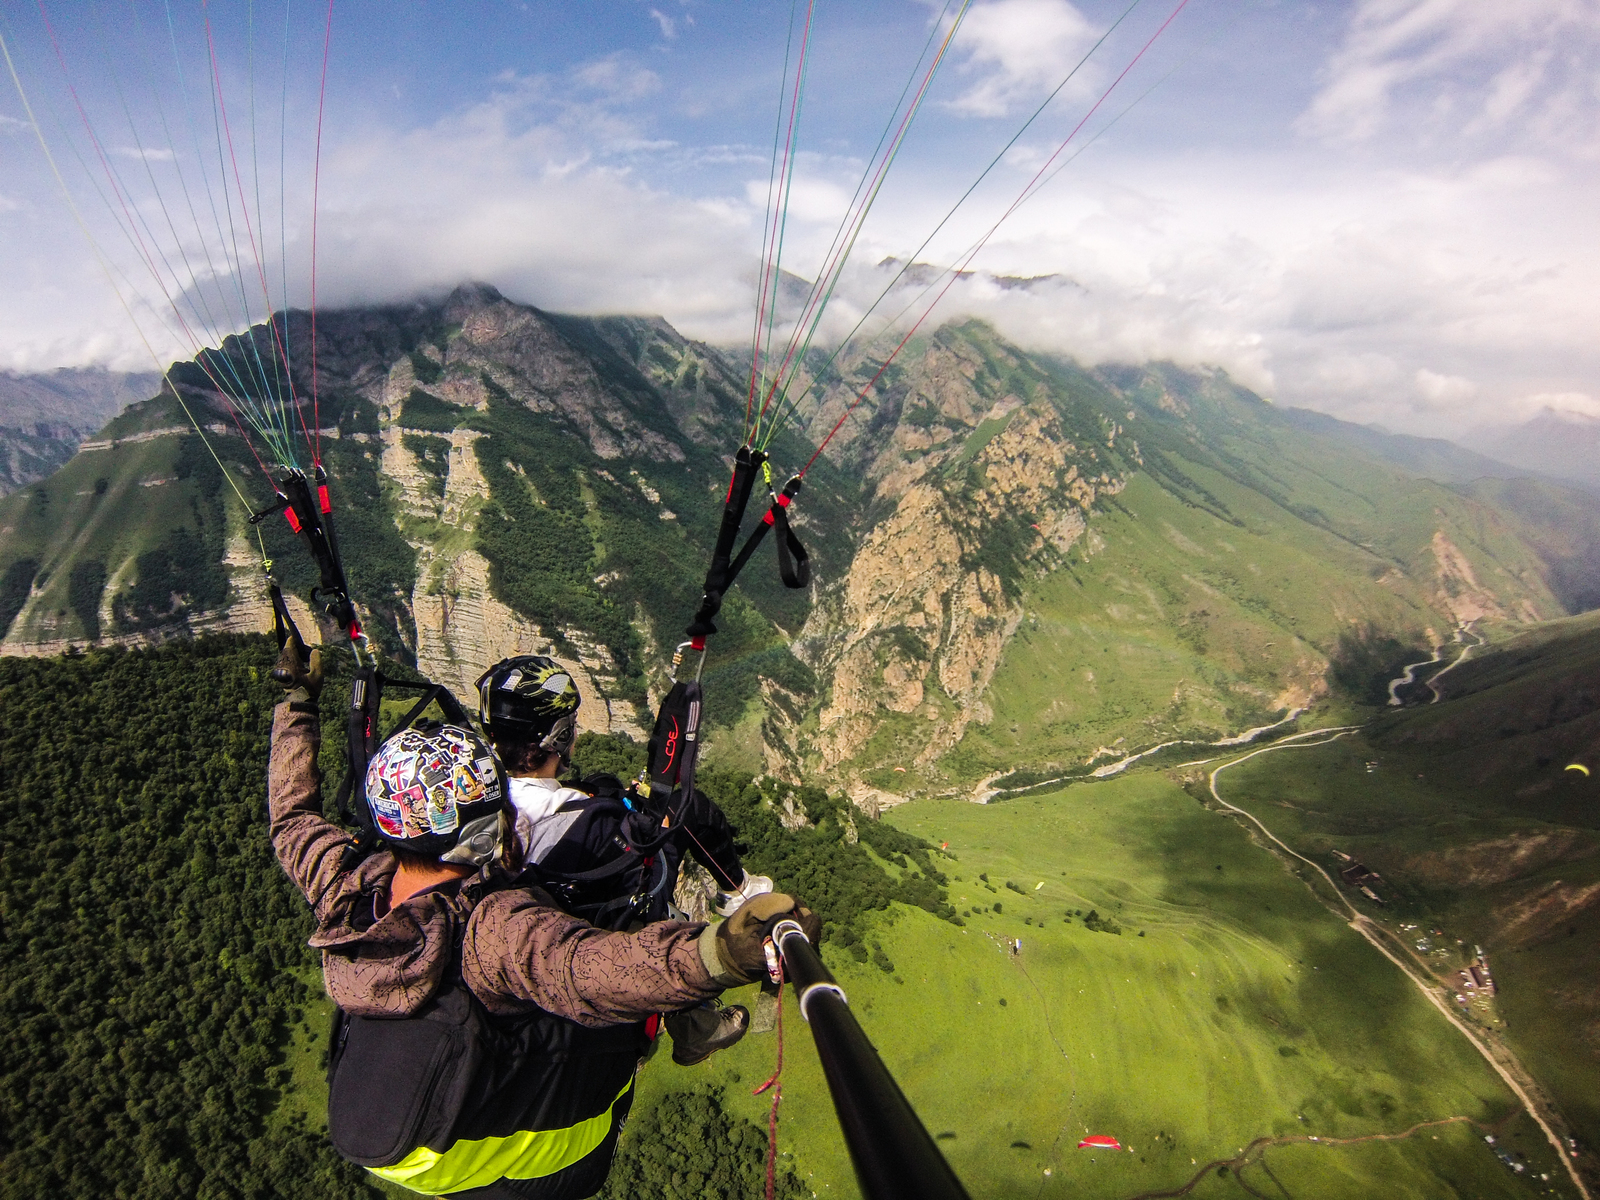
529	705
485	1041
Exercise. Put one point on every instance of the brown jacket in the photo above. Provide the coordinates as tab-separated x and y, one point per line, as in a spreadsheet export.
518	951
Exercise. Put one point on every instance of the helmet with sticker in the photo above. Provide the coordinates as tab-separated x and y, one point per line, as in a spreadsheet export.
530	699
438	791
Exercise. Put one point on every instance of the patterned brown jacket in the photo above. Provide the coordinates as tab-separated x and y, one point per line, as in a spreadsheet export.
518	951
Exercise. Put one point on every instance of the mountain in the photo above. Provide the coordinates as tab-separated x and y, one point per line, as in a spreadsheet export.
44	416
1429	458
1555	442
1019	564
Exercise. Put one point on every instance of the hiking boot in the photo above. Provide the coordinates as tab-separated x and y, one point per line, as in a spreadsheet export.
698	1033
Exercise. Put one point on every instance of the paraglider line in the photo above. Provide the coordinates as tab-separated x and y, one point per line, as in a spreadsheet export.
132	230
772	177
827	281
772	277
266	294
956	274
316	186
785	413
777	1093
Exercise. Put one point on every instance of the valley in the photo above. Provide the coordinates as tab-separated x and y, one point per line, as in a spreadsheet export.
1196	654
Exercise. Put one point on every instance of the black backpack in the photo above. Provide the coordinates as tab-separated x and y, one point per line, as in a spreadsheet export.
453	1072
636	883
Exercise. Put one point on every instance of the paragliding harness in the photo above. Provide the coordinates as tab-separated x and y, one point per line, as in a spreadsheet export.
636	884
452	1096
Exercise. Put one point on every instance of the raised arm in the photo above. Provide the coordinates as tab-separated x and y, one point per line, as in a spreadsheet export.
310	847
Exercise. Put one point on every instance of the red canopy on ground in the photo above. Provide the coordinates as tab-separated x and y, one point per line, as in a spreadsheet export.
1099	1141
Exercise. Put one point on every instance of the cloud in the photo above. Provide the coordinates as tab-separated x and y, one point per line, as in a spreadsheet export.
1018	49
1561	403
144	153
1444	391
669	27
1443	71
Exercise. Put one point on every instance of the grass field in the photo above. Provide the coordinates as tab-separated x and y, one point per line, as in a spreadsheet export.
1245	1011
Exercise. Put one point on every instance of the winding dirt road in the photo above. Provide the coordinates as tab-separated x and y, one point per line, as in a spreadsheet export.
1499	1057
1255	1154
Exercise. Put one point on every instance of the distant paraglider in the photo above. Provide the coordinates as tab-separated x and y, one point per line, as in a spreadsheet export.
1578	767
1099	1141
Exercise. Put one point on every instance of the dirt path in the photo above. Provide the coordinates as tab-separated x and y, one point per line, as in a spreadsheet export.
1499	1057
1466	650
1255	1154
1463	632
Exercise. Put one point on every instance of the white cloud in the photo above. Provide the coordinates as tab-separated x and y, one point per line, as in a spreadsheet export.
1437	71
1018	49
1444	391
1562	403
144	153
669	27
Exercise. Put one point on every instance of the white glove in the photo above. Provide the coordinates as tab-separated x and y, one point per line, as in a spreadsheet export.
753	885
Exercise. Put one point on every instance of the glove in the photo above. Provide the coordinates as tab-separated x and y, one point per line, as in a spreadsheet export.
753	886
740	937
301	678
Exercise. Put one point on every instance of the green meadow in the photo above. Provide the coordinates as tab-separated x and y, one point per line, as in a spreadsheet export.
1468	844
1231	1006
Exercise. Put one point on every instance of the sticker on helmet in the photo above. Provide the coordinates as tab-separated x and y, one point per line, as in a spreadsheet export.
442	809
468	785
435	770
386	813
414	808
557	684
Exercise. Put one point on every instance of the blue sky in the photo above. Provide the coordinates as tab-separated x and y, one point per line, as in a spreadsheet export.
1380	208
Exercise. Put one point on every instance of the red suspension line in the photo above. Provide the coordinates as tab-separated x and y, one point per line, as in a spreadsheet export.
956	271
773	265
316	186
266	294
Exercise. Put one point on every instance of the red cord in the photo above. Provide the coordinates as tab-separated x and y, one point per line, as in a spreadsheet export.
973	253
777	1094
244	207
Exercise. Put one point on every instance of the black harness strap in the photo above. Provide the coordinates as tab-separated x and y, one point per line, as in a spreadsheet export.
718	577
794	564
313	520
283	626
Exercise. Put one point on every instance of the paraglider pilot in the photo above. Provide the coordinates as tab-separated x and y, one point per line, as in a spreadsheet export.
486	1041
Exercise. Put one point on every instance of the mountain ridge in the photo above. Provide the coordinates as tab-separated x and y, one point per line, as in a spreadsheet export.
514	480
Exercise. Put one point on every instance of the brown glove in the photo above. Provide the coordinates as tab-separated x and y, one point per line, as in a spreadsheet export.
300	677
740	937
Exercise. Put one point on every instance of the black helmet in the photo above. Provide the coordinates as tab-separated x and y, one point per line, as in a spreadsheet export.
530	698
438	791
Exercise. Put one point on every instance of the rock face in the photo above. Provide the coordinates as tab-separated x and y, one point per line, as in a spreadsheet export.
985	487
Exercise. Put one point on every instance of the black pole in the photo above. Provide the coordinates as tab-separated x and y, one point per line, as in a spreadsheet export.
894	1157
